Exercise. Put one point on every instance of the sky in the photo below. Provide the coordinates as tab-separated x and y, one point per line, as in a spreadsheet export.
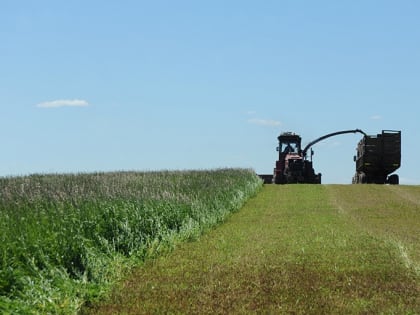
95	85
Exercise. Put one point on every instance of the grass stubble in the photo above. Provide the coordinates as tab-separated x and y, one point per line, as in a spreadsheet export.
297	249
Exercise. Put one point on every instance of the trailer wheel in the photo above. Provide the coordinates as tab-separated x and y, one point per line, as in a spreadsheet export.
393	179
363	179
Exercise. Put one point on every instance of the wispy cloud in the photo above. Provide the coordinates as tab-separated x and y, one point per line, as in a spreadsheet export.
63	103
329	143
264	122
409	181
376	117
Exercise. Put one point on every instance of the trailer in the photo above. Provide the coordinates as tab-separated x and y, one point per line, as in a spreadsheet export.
378	156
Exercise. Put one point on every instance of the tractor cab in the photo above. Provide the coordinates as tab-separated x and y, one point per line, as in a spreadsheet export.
289	143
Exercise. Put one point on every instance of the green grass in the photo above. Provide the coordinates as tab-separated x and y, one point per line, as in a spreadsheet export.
390	212
293	249
65	239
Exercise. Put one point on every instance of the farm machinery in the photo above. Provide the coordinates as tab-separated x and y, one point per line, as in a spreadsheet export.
377	157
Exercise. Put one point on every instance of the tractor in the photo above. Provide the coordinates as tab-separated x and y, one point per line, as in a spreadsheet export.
292	165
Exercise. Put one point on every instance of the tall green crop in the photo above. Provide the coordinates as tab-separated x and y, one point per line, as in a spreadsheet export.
64	238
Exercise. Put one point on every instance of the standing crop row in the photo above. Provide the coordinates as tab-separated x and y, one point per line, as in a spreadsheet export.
64	238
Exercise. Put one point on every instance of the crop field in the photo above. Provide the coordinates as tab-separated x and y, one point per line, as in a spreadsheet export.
66	239
292	249
152	243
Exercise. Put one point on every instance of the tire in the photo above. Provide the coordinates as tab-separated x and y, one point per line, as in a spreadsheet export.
393	179
363	178
279	180
318	178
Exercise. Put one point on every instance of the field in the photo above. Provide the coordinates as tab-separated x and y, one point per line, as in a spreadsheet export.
66	239
152	243
293	249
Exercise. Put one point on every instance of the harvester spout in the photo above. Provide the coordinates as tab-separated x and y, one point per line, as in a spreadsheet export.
329	135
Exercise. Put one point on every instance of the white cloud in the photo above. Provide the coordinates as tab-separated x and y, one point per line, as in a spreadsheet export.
251	112
265	122
63	103
376	117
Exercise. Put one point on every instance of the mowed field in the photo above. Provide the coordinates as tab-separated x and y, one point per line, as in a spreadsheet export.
292	249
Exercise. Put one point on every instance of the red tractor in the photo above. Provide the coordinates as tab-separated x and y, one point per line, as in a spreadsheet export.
292	165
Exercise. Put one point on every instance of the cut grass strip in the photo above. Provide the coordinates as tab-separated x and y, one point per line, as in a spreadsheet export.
288	251
390	212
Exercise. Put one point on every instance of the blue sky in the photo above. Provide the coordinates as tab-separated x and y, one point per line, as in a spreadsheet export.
150	85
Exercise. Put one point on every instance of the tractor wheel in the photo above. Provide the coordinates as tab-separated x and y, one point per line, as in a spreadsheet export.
279	179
